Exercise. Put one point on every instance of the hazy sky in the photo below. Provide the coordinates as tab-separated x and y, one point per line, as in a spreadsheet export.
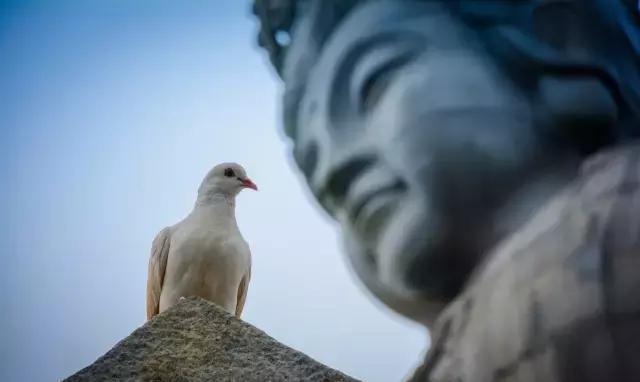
111	112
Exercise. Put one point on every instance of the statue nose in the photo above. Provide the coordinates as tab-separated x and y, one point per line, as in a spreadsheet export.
340	176
307	160
330	174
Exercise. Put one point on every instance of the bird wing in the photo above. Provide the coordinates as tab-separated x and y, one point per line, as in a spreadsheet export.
242	291
157	267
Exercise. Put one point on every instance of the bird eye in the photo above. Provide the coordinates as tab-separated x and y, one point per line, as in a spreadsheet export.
228	172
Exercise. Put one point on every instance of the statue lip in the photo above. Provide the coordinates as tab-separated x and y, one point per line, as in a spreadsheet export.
359	206
365	192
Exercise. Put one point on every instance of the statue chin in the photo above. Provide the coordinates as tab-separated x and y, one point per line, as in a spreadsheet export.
387	283
406	258
415	247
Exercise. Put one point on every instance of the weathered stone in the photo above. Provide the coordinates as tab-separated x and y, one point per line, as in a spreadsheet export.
197	341
558	301
433	130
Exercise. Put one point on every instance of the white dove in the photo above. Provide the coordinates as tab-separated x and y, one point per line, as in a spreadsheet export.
204	255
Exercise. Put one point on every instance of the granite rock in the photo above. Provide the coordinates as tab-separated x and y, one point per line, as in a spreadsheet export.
197	341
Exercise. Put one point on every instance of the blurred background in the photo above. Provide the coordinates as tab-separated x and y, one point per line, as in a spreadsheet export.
111	113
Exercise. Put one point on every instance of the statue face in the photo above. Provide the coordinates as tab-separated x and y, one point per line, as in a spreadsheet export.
421	146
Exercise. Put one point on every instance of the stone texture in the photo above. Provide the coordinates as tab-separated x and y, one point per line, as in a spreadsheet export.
559	300
197	341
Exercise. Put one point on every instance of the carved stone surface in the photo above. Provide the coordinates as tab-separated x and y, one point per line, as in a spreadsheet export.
432	129
198	341
560	299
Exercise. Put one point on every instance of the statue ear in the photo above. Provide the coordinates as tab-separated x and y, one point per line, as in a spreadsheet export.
317	19
276	18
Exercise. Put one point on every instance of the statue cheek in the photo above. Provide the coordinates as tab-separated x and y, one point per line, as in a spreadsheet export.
448	106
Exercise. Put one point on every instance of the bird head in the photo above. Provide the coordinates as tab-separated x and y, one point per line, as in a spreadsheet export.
226	179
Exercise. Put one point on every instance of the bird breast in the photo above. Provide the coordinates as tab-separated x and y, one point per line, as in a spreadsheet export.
209	252
208	264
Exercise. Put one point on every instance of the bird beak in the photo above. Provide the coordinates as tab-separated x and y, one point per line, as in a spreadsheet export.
249	184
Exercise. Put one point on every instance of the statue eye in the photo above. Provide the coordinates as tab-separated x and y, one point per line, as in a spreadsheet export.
228	172
375	85
374	68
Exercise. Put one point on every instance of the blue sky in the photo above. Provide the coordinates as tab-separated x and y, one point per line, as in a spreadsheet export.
111	112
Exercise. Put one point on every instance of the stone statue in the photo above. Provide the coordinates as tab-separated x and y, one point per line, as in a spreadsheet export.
449	140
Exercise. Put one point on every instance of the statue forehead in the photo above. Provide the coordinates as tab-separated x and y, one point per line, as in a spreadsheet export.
277	17
510	30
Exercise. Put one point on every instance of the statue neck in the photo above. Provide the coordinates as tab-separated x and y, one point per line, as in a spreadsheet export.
537	192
